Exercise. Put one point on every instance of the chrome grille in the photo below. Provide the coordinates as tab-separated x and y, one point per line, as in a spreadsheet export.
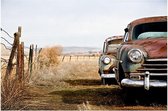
156	67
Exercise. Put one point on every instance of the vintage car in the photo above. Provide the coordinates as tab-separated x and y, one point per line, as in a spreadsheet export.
107	60
142	57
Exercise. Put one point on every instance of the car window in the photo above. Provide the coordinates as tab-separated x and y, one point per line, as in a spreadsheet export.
149	27
152	35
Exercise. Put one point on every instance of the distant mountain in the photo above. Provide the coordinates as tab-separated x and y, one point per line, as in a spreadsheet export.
80	50
66	50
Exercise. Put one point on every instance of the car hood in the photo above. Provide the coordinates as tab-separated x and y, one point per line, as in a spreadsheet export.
155	47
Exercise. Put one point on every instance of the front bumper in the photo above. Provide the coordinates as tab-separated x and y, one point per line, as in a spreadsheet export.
140	83
146	83
107	75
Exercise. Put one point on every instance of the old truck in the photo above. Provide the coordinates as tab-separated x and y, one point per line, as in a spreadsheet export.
107	60
142	57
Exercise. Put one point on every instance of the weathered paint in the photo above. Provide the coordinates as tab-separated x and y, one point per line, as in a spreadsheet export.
107	68
155	48
114	38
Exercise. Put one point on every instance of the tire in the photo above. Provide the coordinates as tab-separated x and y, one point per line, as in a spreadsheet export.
129	95
106	81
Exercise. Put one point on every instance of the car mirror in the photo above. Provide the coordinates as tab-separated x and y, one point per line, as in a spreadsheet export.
126	29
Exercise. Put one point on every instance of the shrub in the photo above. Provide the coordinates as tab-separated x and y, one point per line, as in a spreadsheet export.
49	56
11	94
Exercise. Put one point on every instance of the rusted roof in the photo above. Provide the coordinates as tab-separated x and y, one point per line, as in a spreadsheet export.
148	20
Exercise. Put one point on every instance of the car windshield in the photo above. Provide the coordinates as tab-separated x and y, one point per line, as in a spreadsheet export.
112	45
116	41
147	35
150	30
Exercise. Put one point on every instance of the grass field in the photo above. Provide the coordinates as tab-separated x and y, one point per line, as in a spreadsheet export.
76	85
73	83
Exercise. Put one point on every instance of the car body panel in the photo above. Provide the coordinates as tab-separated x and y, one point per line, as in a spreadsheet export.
156	47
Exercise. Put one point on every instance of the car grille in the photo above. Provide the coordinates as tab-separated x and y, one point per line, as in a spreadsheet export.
156	67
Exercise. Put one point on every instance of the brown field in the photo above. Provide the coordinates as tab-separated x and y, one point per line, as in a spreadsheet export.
75	85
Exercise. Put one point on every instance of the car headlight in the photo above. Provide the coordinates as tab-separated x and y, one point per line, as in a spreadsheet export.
135	55
106	60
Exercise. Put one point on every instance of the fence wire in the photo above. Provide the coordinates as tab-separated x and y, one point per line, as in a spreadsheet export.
5	46
7	33
4	60
6	41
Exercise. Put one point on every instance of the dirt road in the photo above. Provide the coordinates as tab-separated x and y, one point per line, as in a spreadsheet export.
80	89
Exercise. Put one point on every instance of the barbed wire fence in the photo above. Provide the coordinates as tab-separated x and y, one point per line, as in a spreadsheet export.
4	61
2	30
69	58
16	65
14	49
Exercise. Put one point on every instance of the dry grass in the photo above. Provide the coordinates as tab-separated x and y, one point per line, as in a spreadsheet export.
60	78
53	71
75	85
11	90
57	74
48	57
11	93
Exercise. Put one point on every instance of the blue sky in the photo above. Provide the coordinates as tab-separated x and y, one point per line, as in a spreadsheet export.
74	22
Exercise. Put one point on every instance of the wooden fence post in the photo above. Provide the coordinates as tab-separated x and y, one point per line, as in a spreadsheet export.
63	58
19	65
35	58
30	62
19	59
70	58
38	57
32	58
20	30
9	68
14	47
22	60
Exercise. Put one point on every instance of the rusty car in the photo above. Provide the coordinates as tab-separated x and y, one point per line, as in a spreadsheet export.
142	57
107	60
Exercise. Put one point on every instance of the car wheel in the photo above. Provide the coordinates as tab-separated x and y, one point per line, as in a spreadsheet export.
106	81
129	97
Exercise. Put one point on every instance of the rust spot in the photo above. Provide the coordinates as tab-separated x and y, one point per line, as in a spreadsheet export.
156	47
